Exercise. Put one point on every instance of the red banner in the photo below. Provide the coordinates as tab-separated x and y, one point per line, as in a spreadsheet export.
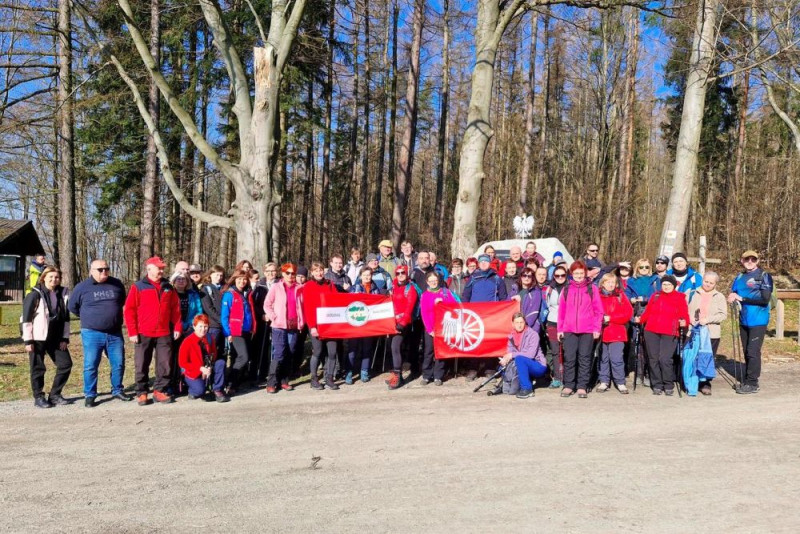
472	330
351	315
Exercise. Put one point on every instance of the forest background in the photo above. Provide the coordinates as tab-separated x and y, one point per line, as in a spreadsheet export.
214	130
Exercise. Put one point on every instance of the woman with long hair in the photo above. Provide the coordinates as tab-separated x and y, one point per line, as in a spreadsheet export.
237	318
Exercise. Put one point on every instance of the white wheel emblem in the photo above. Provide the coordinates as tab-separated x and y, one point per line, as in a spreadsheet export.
462	330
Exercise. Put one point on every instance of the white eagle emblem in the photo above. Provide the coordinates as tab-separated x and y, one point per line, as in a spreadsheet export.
462	330
523	226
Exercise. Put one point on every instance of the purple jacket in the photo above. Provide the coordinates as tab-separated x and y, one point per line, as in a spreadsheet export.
529	346
531	307
426	305
580	313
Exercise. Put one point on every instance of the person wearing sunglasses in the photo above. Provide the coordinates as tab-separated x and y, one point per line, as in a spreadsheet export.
752	290
552	297
641	285
98	301
284	310
660	270
592	261
405	299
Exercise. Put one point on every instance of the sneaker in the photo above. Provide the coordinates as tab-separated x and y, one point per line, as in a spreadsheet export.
316	385
89	402
142	400
162	397
424	381
622	389
330	384
41	402
395	381
747	389
287	387
58	400
437	382
705	390
602	387
220	396
348	378
658	392
365	376
555	384
669	392
525	394
272	389
582	394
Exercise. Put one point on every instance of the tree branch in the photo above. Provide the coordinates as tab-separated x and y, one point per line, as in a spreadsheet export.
163	86
290	32
258	22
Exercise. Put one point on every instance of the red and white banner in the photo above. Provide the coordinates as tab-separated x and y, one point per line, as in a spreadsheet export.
472	330
351	315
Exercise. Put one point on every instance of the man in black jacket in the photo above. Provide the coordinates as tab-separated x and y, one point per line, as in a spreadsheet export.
98	301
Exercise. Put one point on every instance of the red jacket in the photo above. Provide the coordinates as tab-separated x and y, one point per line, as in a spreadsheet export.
151	307
190	355
663	312
501	272
310	297
620	311
404	298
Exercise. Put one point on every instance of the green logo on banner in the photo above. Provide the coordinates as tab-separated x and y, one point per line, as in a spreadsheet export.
357	314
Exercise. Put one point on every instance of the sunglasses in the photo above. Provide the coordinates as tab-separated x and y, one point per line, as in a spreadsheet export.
290	273
527	276
401	273
661	263
102	269
644	267
593	249
559	276
751	259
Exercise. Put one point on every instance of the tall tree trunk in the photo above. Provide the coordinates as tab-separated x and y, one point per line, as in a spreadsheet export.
326	143
349	222
366	234
66	188
542	161
377	198
150	186
405	165
308	210
392	167
527	158
685	169
444	102
629	113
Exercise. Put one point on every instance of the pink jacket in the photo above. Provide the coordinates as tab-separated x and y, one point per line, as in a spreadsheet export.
276	309
428	301
580	313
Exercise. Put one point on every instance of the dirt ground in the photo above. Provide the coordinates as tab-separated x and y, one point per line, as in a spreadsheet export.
417	459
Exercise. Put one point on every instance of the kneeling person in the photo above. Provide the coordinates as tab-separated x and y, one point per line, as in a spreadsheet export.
198	361
525	349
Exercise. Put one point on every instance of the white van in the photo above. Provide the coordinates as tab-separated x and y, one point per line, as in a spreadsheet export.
546	246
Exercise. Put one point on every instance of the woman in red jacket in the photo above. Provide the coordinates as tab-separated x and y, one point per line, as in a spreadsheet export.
404	298
665	314
312	289
617	311
199	363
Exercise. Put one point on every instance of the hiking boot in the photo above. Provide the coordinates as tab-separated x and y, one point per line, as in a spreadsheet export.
424	381
89	402
669	392
58	400
316	385
348	378
123	396
272	389
161	397
220	396
365	376
602	387
658	392
525	394
555	384
437	382
41	402
622	389
747	389
141	399
567	392
395	381
285	386
705	390
582	394
330	384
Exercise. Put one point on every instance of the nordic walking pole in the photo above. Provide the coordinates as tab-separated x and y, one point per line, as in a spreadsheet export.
261	352
678	366
635	355
498	373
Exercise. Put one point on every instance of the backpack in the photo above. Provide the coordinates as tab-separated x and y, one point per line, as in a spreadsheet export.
416	313
565	291
511	379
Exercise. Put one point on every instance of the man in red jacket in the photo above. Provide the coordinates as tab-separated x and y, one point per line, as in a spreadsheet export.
152	310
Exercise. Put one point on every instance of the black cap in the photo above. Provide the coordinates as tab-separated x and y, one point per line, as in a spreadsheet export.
671	279
679	255
302	271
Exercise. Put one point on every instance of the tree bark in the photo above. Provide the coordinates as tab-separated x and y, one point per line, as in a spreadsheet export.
366	235
405	165
392	167
326	143
444	102
377	199
685	169
150	186
527	158
66	182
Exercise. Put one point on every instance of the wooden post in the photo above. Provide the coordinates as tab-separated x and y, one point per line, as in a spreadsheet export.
779	320
702	254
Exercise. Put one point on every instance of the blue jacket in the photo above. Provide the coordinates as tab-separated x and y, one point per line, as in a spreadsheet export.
691	283
99	305
485	286
755	288
382	279
373	290
443	272
195	308
228	311
642	286
697	360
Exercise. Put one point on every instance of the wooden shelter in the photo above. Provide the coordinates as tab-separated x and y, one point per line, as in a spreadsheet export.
18	239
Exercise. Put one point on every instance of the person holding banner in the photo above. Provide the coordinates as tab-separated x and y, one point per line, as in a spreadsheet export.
359	349
405	295
525	349
580	320
283	309
318	285
433	295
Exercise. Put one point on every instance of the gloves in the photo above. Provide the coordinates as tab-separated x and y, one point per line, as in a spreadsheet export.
399	328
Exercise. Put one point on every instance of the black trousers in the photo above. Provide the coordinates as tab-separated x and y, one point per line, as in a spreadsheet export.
578	360
317	346
240	356
143	355
752	339
432	369
660	354
400	343
413	347
60	358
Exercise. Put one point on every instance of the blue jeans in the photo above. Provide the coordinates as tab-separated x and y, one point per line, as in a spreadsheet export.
528	368
284	345
94	342
197	386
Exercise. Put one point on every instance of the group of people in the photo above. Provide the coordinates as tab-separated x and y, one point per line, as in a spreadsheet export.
210	333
